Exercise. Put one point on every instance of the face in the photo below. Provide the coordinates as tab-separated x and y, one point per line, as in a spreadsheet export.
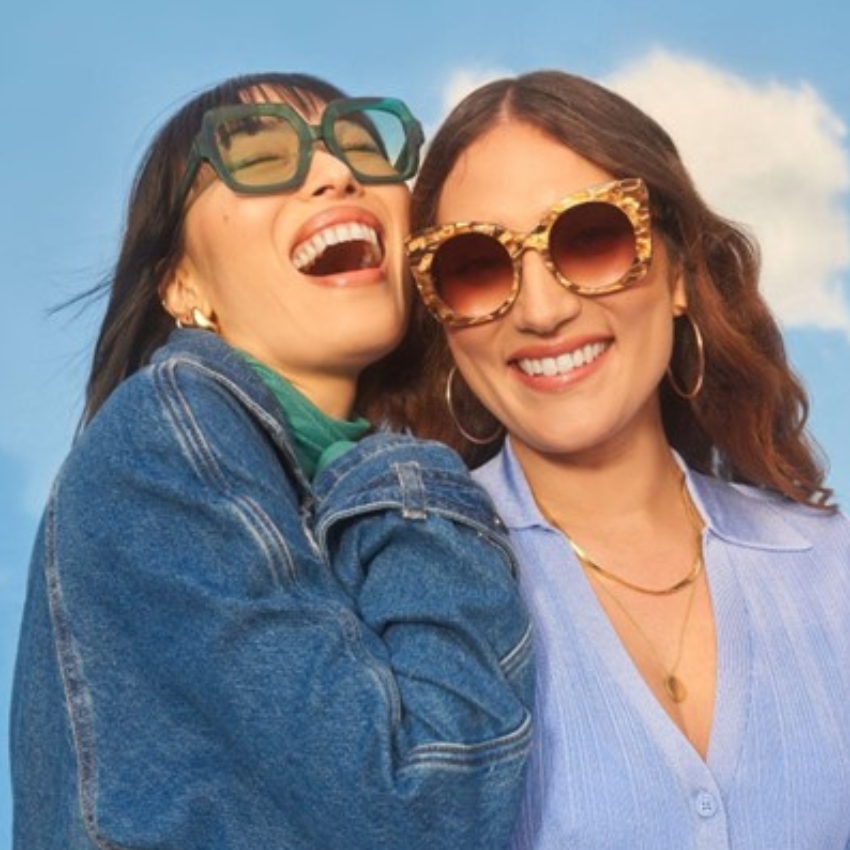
311	282
566	374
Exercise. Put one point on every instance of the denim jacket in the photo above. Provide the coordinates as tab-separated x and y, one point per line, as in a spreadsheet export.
216	653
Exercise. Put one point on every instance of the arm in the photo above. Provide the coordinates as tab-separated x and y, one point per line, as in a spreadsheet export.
222	682
428	564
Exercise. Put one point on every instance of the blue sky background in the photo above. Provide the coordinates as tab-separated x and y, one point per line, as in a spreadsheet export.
756	94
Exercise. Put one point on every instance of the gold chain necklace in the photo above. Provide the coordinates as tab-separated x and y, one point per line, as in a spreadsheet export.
689	579
673	685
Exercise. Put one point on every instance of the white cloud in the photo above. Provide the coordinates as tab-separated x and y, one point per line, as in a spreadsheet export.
770	155
465	80
462	82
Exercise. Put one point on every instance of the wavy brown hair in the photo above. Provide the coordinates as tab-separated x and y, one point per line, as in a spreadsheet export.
748	422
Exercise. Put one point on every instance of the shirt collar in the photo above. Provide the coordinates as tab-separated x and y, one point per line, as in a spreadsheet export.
741	515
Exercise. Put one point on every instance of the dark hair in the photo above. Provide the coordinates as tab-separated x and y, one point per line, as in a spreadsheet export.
748	422
135	323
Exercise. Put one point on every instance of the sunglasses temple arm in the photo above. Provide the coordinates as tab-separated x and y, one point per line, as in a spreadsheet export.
193	163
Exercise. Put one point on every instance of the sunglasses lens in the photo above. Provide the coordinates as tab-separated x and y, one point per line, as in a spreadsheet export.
258	150
374	143
472	274
592	244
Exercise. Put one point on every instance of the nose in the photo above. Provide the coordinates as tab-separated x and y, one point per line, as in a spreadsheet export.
329	175
543	304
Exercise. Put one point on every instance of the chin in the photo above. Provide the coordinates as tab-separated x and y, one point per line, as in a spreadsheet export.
367	351
557	444
385	328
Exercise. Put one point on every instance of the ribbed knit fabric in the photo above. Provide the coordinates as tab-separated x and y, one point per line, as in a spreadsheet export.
610	770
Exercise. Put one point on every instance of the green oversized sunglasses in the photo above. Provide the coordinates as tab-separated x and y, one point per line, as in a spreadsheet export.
264	148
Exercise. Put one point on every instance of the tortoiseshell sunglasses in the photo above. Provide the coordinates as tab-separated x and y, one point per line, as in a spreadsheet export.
594	242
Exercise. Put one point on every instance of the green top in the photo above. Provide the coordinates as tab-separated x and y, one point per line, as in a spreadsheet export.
318	437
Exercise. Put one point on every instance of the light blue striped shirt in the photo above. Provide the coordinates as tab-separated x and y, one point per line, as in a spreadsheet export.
611	770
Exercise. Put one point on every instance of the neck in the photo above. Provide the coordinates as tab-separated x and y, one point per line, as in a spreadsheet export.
333	396
594	487
623	508
332	391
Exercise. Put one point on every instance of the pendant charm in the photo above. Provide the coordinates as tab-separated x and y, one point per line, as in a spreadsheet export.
675	689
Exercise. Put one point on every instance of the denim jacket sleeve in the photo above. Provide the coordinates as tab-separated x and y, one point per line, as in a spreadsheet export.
426	560
240	668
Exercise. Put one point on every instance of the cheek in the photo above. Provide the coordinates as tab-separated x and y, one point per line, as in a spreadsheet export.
238	252
646	332
473	350
397	205
208	235
402	210
463	343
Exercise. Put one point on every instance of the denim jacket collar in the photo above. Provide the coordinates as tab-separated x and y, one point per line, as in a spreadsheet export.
226	365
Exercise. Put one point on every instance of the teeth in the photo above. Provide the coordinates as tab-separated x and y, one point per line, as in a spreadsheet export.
307	252
564	363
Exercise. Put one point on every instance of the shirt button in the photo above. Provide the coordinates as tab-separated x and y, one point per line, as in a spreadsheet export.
706	804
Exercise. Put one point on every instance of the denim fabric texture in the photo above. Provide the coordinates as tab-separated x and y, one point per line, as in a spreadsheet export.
217	654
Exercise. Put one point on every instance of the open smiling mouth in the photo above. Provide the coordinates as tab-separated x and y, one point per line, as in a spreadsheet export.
339	248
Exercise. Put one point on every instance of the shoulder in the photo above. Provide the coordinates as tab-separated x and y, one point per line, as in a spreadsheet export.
201	368
380	453
197	412
403	471
503	478
193	368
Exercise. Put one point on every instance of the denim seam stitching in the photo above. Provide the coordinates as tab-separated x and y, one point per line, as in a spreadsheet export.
202	458
520	653
195	444
496	537
73	682
513	744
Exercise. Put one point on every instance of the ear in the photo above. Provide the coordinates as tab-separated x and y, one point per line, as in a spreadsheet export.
678	293
181	292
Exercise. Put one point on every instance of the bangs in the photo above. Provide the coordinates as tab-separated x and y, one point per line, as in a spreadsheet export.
303	101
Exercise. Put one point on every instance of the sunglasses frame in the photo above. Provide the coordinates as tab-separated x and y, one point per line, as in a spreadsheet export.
629	195
205	148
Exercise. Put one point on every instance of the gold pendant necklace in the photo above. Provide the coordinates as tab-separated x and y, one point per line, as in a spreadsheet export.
673	685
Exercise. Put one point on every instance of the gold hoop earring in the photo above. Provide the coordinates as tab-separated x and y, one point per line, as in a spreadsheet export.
700	376
197	319
478	441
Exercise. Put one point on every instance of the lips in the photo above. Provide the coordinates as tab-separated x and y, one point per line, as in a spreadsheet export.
338	247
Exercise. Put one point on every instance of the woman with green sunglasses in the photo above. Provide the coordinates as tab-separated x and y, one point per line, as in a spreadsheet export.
252	621
593	339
